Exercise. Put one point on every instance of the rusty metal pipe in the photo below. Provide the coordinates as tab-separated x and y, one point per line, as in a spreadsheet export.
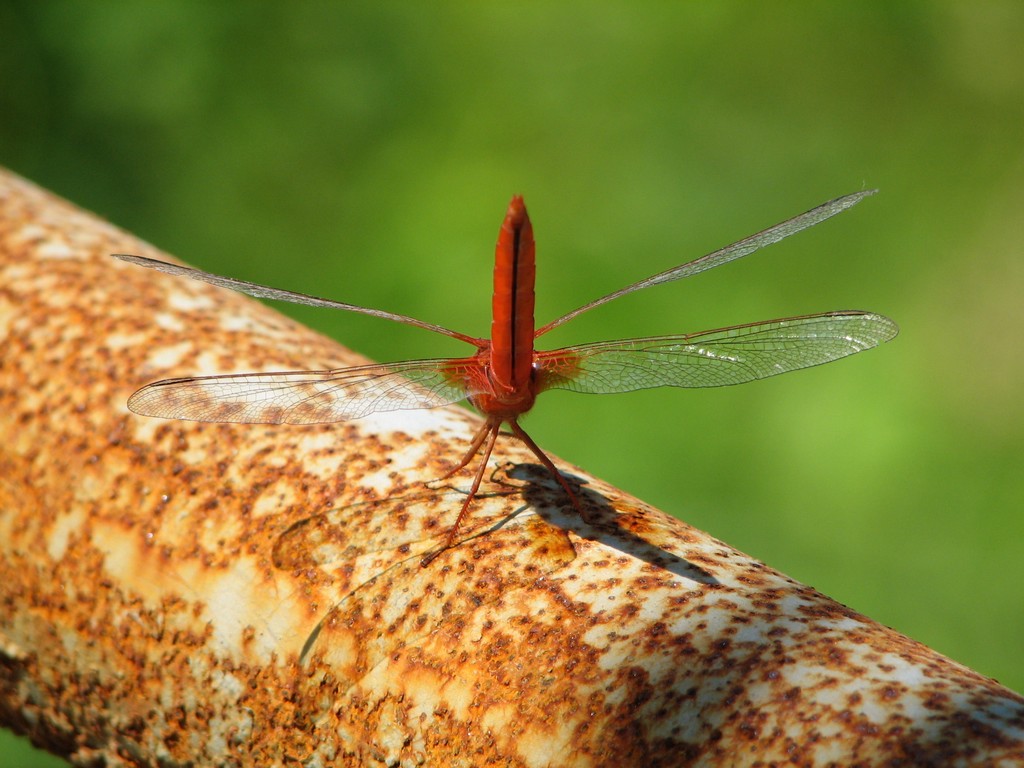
219	594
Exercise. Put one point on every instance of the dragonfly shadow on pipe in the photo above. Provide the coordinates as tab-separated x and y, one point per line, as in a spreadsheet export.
602	521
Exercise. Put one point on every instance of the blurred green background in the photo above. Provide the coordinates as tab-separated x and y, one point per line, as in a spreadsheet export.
366	151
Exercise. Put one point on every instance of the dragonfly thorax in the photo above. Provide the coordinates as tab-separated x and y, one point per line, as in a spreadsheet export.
502	403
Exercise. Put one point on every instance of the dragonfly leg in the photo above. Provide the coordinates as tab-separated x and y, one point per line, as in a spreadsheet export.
478	439
521	434
488	432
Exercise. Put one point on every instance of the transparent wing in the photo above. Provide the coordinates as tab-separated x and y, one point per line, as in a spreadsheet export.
277	294
308	397
724	255
713	358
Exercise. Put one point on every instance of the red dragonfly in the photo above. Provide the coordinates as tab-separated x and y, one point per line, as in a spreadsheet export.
505	375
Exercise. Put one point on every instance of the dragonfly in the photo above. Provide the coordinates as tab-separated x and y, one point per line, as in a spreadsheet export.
503	378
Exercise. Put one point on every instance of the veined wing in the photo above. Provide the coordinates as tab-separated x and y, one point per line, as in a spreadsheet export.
724	255
278	294
713	358
308	397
